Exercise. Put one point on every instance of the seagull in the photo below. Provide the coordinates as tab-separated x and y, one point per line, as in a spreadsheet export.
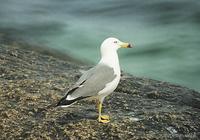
99	81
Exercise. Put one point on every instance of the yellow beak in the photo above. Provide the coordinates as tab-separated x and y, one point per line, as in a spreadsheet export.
125	45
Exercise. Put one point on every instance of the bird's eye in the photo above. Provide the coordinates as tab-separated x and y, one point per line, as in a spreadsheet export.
115	41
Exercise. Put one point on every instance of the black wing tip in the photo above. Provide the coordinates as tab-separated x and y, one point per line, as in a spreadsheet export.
65	102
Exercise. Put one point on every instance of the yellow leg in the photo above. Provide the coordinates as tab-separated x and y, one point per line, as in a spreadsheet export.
102	118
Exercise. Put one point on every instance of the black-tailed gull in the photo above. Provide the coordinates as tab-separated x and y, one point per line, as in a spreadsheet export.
100	80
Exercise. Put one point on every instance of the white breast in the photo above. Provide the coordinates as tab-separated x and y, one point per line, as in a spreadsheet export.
110	59
110	87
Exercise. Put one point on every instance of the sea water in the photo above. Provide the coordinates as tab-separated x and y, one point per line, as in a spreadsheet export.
165	34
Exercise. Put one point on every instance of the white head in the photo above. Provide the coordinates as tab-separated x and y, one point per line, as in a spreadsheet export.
112	44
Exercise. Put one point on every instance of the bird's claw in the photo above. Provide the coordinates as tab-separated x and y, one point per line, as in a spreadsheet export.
104	119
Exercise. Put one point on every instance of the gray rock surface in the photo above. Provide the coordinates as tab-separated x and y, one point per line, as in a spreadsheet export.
31	83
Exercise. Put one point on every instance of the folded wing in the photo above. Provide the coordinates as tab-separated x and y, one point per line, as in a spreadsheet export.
89	84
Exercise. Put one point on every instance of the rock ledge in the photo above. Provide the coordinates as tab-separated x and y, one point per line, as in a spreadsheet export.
31	83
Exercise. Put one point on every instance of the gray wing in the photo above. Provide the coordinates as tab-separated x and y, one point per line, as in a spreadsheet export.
85	76
93	81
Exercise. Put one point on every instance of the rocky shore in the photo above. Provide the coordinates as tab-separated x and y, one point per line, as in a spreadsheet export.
32	81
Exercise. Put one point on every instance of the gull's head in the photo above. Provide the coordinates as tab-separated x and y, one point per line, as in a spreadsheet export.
113	44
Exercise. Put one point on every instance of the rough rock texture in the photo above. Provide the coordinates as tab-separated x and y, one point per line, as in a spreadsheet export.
31	83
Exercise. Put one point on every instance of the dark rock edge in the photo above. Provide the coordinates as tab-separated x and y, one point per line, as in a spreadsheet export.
31	83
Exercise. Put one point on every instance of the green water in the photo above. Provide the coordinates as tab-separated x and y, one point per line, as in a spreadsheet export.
166	34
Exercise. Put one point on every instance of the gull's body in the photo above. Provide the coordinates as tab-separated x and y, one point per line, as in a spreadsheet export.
100	80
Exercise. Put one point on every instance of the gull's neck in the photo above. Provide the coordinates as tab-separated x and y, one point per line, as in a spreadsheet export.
111	59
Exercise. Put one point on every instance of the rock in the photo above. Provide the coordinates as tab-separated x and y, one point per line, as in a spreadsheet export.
31	83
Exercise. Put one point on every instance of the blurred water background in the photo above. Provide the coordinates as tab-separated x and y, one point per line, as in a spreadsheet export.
166	33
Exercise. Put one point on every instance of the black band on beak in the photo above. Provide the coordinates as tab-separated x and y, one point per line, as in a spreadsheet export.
129	46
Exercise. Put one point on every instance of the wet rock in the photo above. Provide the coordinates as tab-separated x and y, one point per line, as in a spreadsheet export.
32	82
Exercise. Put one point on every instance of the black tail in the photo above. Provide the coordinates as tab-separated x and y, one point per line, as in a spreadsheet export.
65	102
